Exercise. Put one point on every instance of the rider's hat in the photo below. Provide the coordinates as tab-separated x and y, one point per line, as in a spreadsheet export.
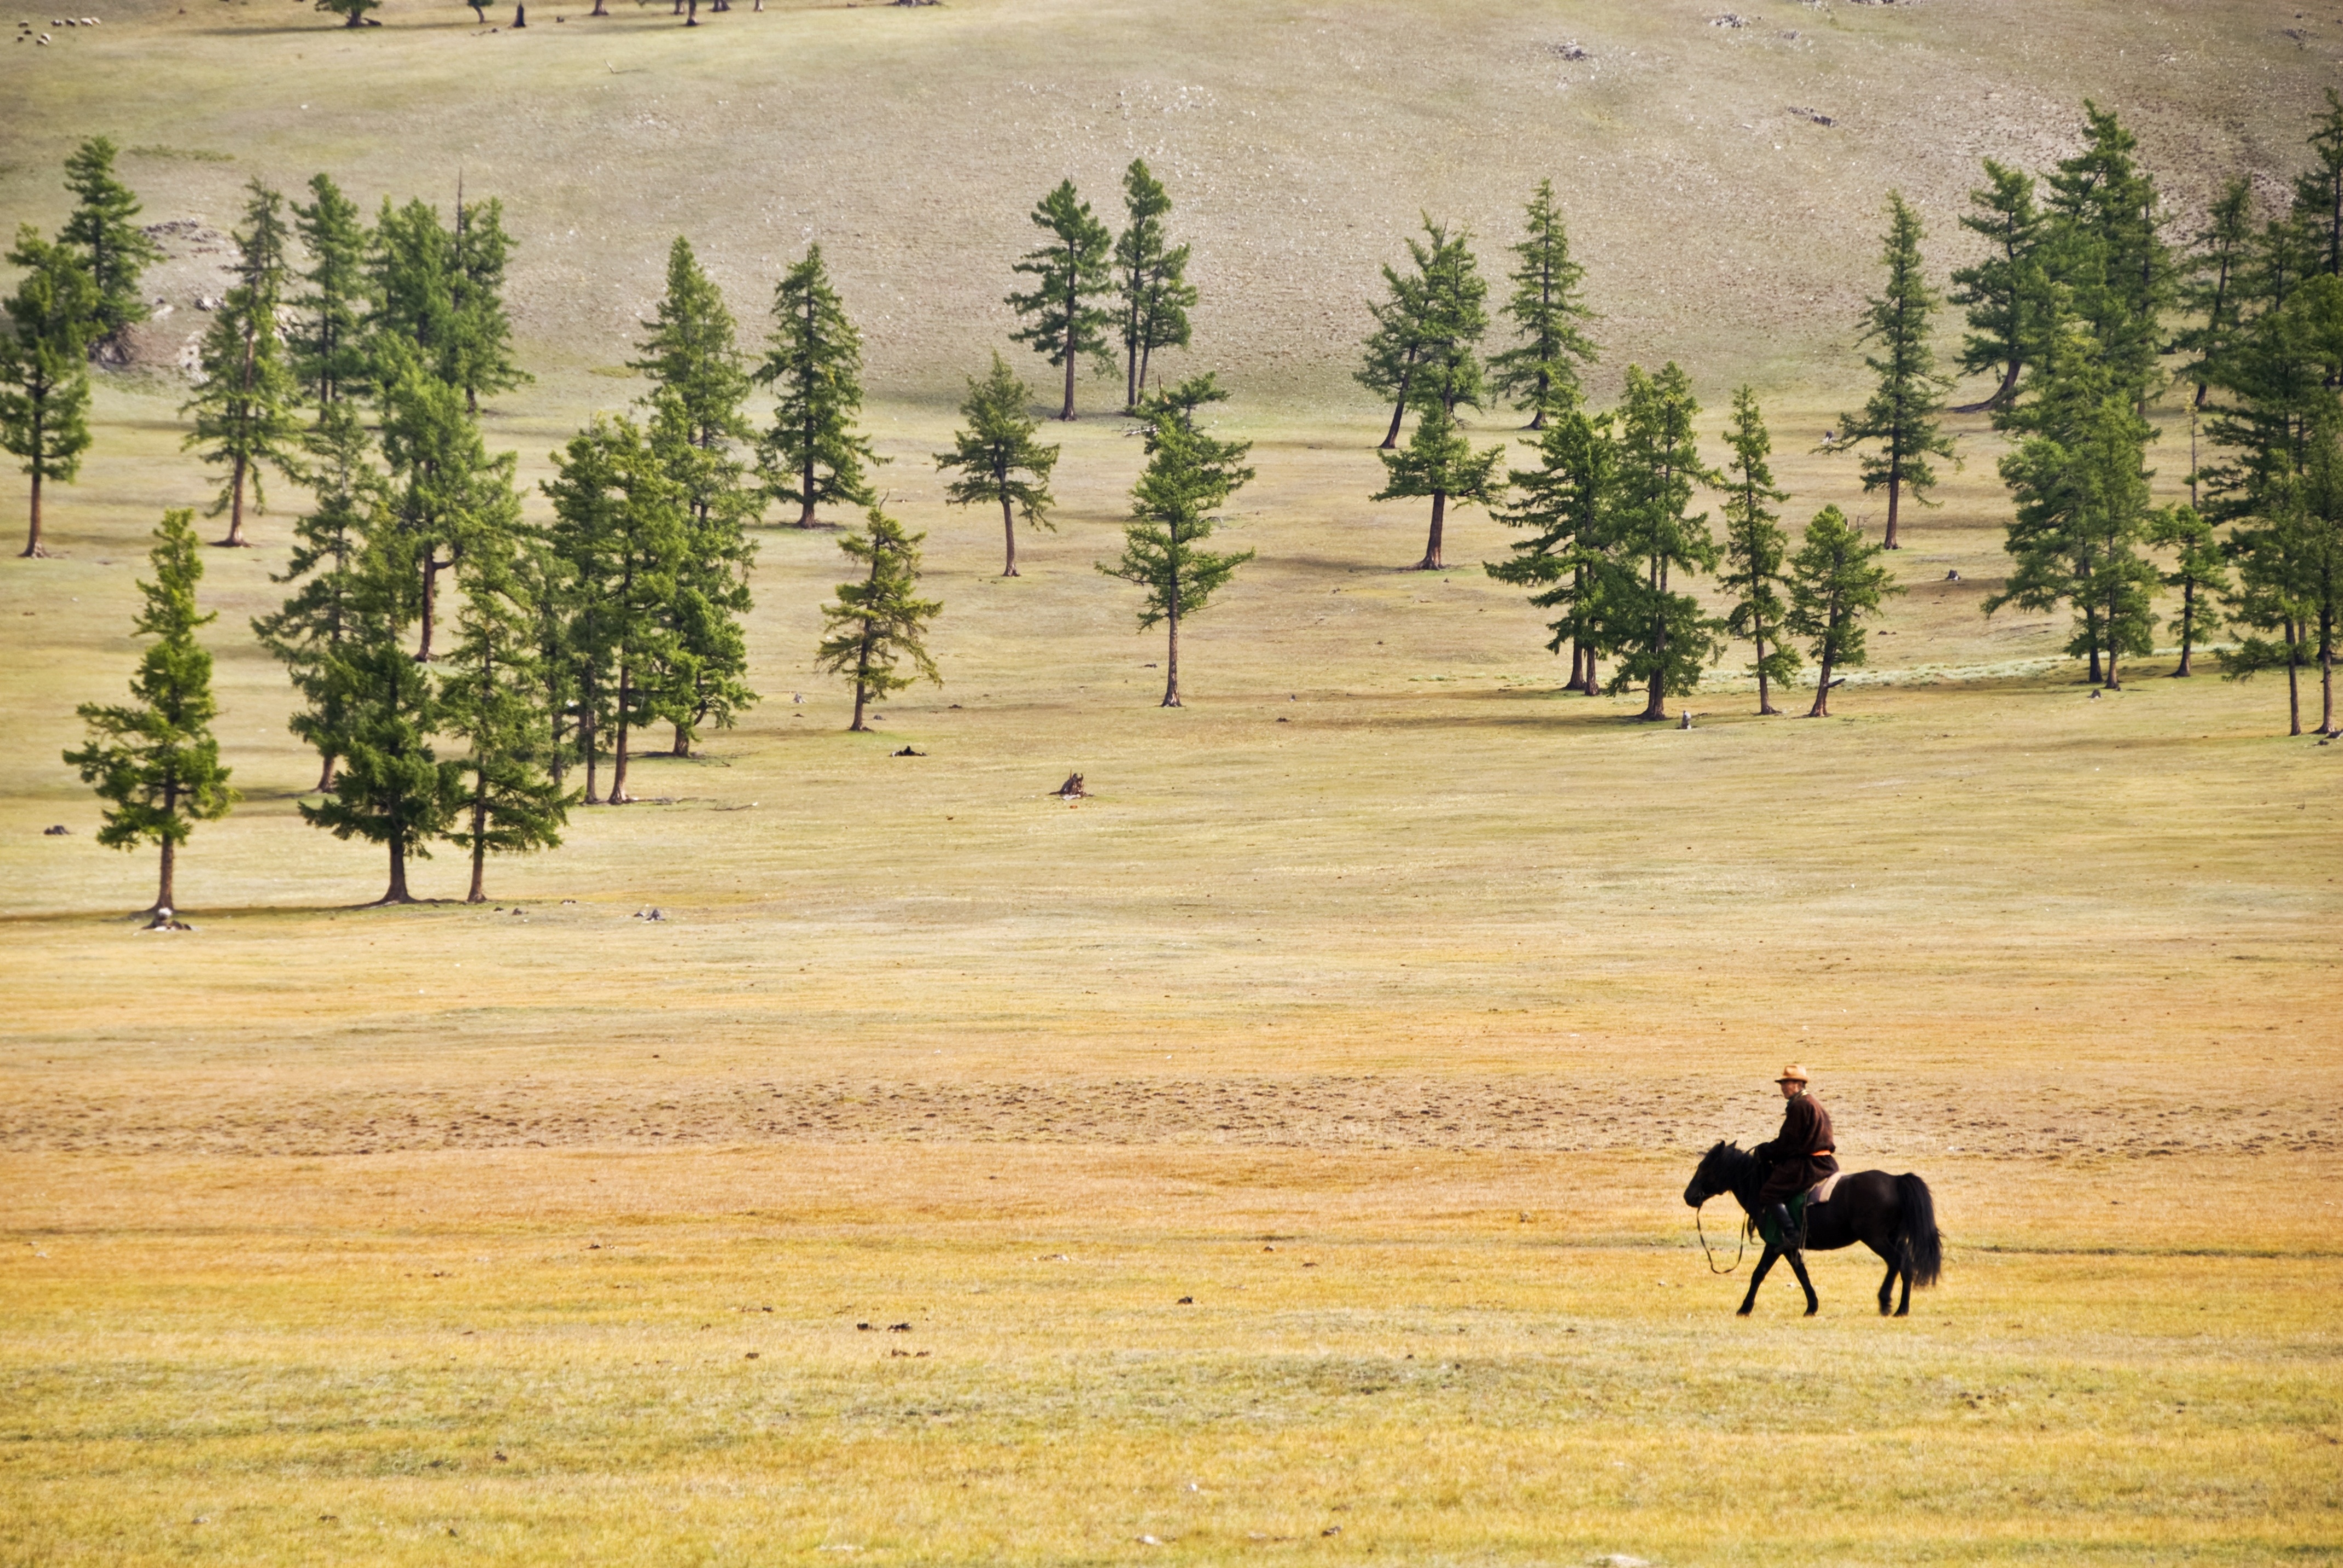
1793	1073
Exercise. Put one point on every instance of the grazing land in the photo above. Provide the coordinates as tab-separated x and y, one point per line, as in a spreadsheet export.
1277	1154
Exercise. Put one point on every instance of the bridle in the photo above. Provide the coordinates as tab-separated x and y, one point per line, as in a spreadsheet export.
1742	1247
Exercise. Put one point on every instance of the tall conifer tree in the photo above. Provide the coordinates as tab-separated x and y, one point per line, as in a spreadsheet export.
1547	310
1901	421
1566	504
1000	462
2200	570
1071	273
1836	583
1661	635
394	788
445	492
2006	293
307	632
1150	275
2210	283
1441	463
813	454
1190	475
243	406
1394	348
1754	548
875	635
156	762
102	229
2105	248
45	369
488	701
479	357
329	334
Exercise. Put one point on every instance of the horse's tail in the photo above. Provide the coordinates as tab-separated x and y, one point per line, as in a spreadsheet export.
1923	1248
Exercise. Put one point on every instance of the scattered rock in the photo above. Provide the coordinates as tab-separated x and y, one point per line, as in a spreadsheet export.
1954	575
1818	118
1730	19
1185	1302
1618	1560
907	751
1071	790
1570	51
205	302
60	831
652	914
898	1328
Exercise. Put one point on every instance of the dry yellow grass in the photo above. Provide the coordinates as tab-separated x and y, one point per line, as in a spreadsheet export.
1380	953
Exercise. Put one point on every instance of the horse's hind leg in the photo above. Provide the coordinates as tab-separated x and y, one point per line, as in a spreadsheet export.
1888	1285
1798	1267
1749	1302
1904	1307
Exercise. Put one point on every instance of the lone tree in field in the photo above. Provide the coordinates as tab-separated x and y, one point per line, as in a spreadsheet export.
1150	275
813	363
878	628
156	762
2006	293
1566	502
116	252
1063	320
309	631
328	334
1660	636
44	368
488	701
1836	583
999	460
1902	419
1189	475
1545	309
243	403
1439	462
1754	551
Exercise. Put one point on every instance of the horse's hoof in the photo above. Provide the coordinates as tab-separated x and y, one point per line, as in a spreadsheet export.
1812	1310
1743	1312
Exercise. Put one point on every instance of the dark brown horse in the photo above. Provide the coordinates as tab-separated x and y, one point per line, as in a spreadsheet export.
1892	1215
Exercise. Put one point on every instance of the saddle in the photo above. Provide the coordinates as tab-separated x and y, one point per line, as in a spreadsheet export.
1820	1193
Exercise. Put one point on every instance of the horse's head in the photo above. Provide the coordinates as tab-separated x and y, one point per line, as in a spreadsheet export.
1713	1177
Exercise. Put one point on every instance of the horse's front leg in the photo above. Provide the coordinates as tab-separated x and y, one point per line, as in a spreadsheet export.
1749	1302
1798	1267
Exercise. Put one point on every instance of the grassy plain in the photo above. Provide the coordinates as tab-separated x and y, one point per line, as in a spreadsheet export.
1381	953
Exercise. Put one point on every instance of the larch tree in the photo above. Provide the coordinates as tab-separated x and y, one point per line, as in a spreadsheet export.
1901	423
2318	190
2290	570
102	228
328	336
410	265
2006	294
479	357
45	368
698	424
1755	550
622	529
2200	570
309	631
353	13
2080	484
393	789
999	463
1660	634
155	760
488	701
1070	272
1547	310
1565	505
1836	583
1395	346
1151	277
244	403
875	635
812	455
445	492
1190	475
1439	462
2105	248
2209	287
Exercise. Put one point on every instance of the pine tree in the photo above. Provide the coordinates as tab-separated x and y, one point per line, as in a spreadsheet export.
487	699
479	352
445	492
309	630
697	421
1189	476
2290	570
2199	570
1902	416
1439	462
2081	488
44	367
1660	635
1754	549
622	531
244	403
814	364
1566	501
113	247
2006	293
393	789
329	334
1393	348
2318	190
1063	320
354	12
1000	462
2209	284
2105	249
1836	583
156	761
1151	276
878	627
410	279
1545	309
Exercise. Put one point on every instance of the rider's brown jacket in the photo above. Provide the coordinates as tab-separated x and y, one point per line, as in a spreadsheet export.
1800	1154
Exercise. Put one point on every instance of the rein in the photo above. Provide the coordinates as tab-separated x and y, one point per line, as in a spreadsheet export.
1742	1247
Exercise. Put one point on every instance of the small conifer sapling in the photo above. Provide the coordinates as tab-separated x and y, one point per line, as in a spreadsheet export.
876	633
1836	584
999	463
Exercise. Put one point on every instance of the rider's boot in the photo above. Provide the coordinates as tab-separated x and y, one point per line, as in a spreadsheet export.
1777	1219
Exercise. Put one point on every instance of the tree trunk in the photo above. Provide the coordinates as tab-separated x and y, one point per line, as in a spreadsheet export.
1399	412
325	774
353	20
2187	624
1172	652
805	494
1765	692
598	10
2000	393
166	890
586	745
1895	494
479	851
692	15
2293	694
682	742
1009	536
2327	688
2091	632
1655	704
398	893
1431	561
617	795
1821	709
430	587
1067	411
33	546
1593	687
1146	357
236	505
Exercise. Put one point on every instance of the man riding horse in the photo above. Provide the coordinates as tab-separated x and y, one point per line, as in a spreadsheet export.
1799	1156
